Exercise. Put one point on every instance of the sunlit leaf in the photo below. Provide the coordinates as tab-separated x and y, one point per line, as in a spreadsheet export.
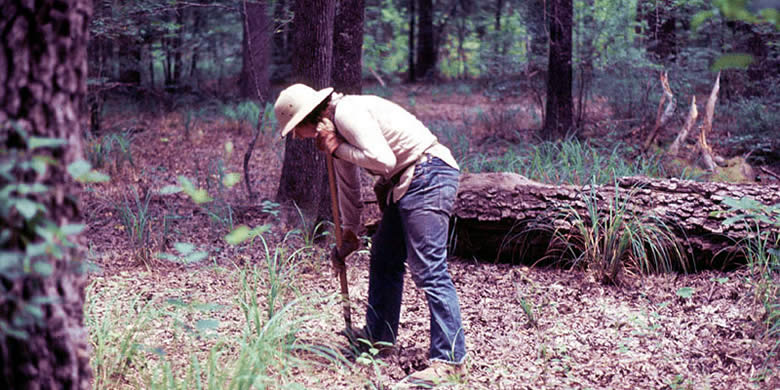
685	292
198	195
43	268
195	257
231	179
169	189
204	325
27	207
41	142
732	61
238	235
184	248
72	228
700	18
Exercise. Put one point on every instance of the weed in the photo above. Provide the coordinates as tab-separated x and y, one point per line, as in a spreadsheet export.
136	220
114	346
617	239
113	147
762	250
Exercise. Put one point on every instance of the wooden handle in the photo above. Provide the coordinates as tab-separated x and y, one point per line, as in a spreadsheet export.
334	205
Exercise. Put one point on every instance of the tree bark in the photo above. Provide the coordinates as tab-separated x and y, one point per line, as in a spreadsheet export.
254	82
304	179
348	46
559	110
42	85
426	43
412	18
509	217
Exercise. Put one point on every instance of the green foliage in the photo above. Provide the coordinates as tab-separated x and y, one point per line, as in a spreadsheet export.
611	238
114	147
762	249
31	242
247	111
136	220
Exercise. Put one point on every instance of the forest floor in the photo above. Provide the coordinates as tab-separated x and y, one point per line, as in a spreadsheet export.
526	327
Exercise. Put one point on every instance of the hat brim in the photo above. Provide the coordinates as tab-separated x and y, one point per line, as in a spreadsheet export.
306	110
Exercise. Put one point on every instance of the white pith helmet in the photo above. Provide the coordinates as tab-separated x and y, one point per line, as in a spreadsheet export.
295	102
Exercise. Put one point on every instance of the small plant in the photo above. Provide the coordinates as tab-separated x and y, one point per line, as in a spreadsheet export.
611	238
113	147
136	221
762	250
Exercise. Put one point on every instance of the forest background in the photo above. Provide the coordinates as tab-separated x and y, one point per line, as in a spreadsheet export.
199	280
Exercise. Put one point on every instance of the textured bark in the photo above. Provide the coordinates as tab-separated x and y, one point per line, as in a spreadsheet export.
559	109
348	46
43	72
254	82
304	179
504	215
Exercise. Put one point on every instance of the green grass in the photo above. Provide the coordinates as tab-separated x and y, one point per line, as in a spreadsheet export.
610	238
276	342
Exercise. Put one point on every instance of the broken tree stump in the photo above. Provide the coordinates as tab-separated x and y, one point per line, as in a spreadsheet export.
507	217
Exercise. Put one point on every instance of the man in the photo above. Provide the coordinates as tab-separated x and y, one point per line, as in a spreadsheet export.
418	179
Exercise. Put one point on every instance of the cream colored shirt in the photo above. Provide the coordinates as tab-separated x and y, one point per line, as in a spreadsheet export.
383	138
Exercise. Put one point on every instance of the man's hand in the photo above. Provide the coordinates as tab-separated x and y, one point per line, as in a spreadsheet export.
327	138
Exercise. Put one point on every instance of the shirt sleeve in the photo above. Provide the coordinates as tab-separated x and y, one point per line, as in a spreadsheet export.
350	204
366	146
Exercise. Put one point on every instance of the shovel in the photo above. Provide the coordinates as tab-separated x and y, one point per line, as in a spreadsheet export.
334	205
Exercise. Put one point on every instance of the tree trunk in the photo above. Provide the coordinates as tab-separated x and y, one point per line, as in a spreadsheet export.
558	113
254	80
43	344
348	46
412	19
507	216
304	179
426	48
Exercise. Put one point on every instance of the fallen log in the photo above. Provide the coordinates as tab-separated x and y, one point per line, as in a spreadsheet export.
507	217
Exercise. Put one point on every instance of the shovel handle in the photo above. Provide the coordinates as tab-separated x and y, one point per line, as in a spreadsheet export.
334	205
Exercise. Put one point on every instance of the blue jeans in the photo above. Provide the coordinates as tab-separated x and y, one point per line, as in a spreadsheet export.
415	230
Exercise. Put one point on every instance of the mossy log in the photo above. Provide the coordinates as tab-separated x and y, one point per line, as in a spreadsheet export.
509	217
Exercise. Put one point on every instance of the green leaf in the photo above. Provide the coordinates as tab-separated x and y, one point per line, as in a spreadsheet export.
732	61
167	256
238	235
72	228
43	268
82	171
41	142
184	248
27	207
9	260
6	329
204	325
79	168
34	310
195	257
700	18
36	188
720	280
198	195
231	179
685	292
169	189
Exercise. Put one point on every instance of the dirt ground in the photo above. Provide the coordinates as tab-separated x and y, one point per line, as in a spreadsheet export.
526	328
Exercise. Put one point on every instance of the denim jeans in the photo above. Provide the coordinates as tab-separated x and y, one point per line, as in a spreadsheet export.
415	230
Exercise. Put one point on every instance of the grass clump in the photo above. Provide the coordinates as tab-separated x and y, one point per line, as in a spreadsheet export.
609	238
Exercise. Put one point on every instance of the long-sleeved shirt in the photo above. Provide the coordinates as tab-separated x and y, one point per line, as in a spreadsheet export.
383	138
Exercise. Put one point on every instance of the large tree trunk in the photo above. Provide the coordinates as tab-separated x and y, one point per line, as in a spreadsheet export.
43	344
412	18
507	216
304	179
348	46
426	41
559	111
254	81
